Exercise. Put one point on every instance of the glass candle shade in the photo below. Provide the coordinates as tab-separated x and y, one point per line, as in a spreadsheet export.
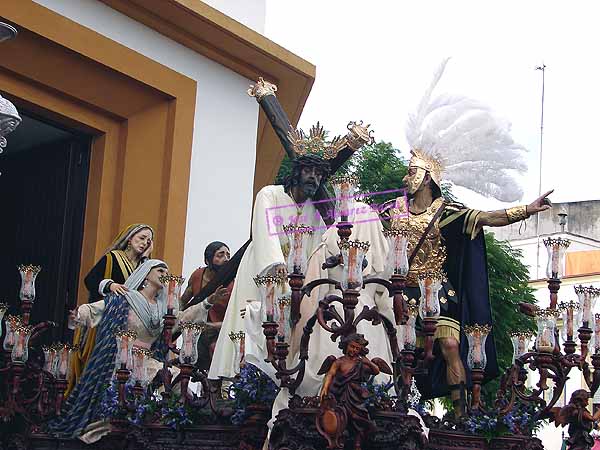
20	349
546	325
298	236
62	365
353	255
587	296
11	323
570	313
344	187
28	274
3	309
406	333
397	257
596	333
476	336
124	357
49	358
173	286
238	340
520	341
282	317
430	284
556	248
270	287
190	333
140	372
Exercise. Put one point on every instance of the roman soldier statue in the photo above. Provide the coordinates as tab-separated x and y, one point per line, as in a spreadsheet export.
461	141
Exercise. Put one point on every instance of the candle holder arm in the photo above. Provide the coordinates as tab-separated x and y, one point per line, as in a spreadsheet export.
380	281
308	288
39	329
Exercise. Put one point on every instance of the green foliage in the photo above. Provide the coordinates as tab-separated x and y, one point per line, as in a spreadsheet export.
508	278
284	170
379	167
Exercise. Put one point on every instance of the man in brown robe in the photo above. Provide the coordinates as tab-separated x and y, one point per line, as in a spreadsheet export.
216	255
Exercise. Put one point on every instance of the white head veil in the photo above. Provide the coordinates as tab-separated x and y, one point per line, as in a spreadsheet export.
145	311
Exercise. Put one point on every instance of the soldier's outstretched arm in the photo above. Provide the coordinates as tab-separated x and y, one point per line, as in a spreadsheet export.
502	217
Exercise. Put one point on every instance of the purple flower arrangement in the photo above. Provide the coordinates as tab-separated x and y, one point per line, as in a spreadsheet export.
109	406
175	416
519	420
250	387
146	408
420	408
379	394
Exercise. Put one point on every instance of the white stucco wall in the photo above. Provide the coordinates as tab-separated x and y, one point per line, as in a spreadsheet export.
251	13
528	249
224	140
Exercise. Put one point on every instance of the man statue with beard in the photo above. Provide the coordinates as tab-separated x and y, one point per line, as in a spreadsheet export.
216	255
313	160
275	206
462	141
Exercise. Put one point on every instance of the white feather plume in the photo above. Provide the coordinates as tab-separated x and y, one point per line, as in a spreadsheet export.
415	121
472	143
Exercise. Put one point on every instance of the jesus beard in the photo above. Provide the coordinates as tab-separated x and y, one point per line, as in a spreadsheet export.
310	189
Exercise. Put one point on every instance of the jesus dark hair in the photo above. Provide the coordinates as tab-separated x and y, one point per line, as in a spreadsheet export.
306	161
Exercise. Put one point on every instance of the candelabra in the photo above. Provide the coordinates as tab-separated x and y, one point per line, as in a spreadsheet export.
34	381
552	364
29	388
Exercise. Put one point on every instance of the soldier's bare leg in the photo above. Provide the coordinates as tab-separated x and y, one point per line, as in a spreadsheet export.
455	371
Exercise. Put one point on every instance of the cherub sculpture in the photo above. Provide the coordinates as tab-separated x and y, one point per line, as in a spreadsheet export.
343	395
579	419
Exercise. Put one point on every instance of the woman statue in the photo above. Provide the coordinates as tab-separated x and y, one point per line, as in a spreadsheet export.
140	309
131	247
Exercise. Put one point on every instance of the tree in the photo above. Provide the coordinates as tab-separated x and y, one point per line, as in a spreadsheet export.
508	278
379	168
284	170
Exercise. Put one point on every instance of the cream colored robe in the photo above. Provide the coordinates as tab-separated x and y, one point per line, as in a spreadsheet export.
264	252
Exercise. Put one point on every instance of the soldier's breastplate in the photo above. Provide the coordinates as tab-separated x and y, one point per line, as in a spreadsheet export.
431	256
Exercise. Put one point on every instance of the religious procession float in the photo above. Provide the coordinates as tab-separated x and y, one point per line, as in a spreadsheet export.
335	336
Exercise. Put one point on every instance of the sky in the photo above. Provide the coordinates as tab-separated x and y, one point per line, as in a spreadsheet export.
375	59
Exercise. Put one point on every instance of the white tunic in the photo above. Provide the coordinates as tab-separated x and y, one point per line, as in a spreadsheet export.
272	209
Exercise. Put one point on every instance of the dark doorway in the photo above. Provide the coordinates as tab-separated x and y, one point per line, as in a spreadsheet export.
43	181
